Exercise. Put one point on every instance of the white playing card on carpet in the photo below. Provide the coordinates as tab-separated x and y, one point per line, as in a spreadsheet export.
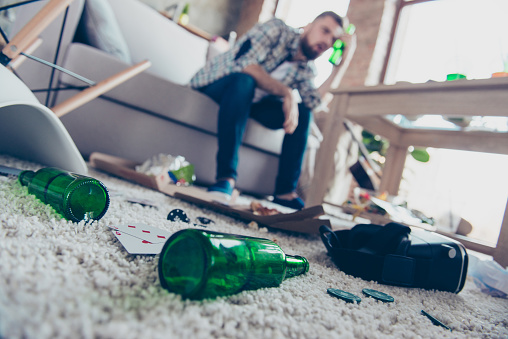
140	239
145	232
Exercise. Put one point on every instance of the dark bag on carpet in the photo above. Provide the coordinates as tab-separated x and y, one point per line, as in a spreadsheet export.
395	254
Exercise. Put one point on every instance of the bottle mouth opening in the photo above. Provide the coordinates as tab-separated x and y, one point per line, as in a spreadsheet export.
183	264
88	201
296	265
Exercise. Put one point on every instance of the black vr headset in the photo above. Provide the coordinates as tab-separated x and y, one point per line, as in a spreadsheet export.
395	254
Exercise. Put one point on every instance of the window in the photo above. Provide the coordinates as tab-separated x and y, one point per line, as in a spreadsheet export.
436	38
459	184
433	39
441	37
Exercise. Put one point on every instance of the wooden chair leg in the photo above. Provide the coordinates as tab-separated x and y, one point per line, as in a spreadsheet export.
18	60
29	33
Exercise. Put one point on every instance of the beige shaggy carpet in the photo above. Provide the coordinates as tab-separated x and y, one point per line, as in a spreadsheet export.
64	280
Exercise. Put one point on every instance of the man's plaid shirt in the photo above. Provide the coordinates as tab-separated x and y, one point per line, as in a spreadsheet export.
269	45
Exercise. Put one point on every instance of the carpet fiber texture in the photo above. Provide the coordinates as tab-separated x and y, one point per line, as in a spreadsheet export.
64	280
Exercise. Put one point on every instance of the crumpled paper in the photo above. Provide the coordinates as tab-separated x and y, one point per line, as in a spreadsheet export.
489	276
180	170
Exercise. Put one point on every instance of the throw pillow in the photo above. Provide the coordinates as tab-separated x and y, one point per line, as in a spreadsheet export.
98	28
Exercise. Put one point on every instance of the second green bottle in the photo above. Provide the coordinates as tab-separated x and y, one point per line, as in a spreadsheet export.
199	264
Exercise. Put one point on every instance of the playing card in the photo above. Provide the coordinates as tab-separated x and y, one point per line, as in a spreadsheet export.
145	232
140	239
134	245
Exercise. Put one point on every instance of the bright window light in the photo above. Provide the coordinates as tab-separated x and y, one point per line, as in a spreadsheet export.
437	38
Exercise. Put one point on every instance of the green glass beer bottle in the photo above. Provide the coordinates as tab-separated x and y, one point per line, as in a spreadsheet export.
338	50
199	264
75	197
184	16
339	46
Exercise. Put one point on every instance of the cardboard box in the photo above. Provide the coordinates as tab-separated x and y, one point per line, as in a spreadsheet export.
304	221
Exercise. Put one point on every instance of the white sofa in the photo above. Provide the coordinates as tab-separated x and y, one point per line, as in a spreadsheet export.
155	112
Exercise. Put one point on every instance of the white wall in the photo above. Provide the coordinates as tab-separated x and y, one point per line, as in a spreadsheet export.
217	17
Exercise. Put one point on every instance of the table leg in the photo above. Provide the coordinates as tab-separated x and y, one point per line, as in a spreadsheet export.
501	250
393	169
325	158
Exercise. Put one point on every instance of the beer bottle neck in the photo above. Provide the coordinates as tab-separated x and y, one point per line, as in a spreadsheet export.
25	177
295	265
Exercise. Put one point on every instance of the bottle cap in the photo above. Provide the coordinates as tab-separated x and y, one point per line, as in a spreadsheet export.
178	215
378	295
346	296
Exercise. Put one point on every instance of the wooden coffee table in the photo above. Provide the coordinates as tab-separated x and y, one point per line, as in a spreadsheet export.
369	106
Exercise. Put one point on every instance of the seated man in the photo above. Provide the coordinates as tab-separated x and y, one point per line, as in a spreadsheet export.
256	78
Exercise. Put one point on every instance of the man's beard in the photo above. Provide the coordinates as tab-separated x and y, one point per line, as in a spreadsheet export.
307	50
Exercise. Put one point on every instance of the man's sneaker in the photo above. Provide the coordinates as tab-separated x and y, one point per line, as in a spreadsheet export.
222	188
295	203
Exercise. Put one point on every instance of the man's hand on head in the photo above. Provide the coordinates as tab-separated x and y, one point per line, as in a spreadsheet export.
350	41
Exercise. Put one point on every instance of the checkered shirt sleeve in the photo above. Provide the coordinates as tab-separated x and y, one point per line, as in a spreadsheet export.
268	45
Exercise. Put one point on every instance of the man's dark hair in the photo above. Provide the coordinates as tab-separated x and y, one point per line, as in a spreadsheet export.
332	15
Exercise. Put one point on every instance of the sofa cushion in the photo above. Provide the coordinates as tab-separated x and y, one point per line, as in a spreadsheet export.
99	28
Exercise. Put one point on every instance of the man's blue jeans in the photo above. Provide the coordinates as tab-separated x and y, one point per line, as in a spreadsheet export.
234	94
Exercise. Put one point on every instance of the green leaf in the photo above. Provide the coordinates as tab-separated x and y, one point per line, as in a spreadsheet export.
420	154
